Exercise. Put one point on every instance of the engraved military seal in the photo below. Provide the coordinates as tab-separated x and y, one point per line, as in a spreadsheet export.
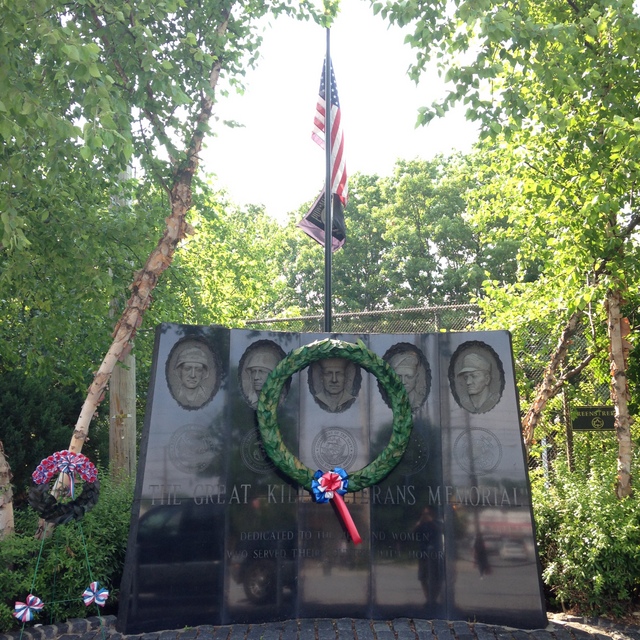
477	451
334	447
253	454
193	448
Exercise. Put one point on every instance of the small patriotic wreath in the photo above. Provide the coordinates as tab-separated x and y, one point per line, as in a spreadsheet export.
298	359
70	464
26	611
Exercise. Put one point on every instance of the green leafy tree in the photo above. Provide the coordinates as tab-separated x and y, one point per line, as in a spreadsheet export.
555	84
410	242
229	269
112	81
59	290
440	254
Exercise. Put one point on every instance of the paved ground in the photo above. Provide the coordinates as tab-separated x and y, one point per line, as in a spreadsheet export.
560	628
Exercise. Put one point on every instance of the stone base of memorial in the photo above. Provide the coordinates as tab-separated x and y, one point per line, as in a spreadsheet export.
220	535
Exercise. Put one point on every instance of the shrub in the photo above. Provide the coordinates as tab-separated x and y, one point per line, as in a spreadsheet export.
61	568
589	540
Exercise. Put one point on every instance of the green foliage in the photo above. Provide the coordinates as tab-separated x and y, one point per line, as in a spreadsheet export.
410	242
589	540
38	417
59	570
229	269
58	293
632	311
553	86
91	85
90	89
438	254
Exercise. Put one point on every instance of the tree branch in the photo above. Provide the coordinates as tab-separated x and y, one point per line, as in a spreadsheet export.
549	386
570	374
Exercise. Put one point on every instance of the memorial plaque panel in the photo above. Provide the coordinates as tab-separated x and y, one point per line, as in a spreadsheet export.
334	574
174	559
407	546
485	489
219	535
260	565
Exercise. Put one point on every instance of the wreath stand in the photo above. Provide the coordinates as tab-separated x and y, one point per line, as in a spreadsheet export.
64	465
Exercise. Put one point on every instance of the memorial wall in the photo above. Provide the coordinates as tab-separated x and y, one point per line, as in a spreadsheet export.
219	535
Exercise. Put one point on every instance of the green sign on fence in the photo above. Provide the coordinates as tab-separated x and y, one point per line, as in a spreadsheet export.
592	418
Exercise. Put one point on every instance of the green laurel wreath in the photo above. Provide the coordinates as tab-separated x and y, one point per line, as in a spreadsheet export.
298	359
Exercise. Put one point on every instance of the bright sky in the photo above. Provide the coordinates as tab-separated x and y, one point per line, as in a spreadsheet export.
273	161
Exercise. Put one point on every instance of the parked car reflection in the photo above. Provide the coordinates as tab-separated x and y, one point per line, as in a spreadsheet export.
513	551
180	551
264	572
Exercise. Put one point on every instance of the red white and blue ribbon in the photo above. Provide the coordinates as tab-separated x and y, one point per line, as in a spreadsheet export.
68	463
331	486
94	593
25	611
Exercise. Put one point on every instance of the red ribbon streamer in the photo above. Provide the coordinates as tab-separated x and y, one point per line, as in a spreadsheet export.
346	518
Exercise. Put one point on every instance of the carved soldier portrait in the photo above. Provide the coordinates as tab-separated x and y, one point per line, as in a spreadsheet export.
476	377
257	362
193	374
413	369
334	383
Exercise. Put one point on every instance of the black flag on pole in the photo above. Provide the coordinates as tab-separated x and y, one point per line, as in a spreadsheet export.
313	224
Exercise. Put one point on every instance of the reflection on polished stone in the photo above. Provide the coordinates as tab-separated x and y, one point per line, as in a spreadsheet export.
219	535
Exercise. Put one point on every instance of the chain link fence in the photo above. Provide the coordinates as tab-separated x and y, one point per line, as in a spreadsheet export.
459	317
532	348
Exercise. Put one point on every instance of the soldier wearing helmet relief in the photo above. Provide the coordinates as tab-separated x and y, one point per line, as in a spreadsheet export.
258	365
475	379
193	371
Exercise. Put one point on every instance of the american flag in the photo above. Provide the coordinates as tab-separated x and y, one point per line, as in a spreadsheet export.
338	167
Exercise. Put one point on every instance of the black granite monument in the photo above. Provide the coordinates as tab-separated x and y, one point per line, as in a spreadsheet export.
219	535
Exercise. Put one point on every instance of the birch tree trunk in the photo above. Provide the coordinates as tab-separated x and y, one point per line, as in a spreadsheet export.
180	196
6	497
618	328
145	280
548	387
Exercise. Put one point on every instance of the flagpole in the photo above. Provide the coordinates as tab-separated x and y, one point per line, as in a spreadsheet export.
328	199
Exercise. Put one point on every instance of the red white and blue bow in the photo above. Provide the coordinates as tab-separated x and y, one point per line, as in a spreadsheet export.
25	611
94	593
332	485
